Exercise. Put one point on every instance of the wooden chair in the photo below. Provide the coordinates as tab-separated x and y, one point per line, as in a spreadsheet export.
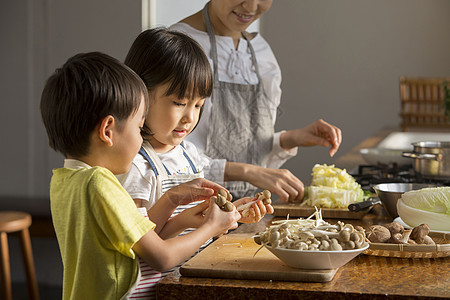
14	221
422	104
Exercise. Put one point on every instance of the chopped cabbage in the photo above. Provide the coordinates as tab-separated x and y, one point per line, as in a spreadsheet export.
430	199
426	206
332	187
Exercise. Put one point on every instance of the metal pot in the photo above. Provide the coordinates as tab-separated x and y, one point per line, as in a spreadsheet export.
431	159
389	193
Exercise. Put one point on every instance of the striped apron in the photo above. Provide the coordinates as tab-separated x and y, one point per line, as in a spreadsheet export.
145	288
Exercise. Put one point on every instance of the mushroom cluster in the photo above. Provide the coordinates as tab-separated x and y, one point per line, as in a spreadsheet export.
223	200
395	233
264	196
309	234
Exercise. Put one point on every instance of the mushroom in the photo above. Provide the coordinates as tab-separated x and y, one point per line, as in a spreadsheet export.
344	235
420	234
396	238
334	245
325	245
405	239
349	245
378	234
305	235
222	200
228	206
395	227
264	196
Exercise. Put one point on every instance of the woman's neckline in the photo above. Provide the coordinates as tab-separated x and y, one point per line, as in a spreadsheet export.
251	35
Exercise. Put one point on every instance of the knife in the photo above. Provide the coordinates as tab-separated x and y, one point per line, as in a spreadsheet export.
355	207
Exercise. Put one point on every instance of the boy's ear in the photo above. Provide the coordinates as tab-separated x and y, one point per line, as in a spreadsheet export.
105	131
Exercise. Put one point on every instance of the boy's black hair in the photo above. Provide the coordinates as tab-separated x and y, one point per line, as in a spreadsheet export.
161	56
86	89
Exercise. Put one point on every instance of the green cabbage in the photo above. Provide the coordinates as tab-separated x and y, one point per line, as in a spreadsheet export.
429	199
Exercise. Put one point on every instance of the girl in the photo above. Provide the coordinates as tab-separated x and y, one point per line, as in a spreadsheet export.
178	77
247	82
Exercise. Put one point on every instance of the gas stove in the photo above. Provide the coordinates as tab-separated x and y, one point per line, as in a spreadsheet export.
369	175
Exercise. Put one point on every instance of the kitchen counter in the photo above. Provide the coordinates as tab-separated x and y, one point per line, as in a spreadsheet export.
365	277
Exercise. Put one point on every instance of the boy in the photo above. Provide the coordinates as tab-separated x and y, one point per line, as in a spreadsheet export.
93	109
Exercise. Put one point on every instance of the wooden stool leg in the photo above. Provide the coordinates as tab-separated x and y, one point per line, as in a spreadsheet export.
27	253
5	268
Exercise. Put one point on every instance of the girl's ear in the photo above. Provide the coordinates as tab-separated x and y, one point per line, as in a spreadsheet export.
106	128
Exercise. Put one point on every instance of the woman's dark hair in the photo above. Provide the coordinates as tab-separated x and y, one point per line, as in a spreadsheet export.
86	89
160	56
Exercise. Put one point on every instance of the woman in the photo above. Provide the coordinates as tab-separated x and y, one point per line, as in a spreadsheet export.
238	122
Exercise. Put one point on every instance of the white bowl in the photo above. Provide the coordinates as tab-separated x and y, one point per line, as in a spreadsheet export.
315	260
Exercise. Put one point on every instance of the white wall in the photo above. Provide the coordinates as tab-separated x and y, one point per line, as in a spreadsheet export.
341	61
37	37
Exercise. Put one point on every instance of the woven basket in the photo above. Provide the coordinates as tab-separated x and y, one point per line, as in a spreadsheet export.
441	249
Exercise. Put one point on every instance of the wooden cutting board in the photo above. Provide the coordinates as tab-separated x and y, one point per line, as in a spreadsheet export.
232	256
282	209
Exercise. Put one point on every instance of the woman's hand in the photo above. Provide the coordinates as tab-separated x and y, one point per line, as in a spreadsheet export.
318	133
256	212
280	182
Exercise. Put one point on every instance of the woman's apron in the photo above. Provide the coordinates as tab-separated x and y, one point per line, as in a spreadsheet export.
165	181
241	126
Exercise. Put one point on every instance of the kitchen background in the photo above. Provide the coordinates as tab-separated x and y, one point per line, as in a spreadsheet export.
340	61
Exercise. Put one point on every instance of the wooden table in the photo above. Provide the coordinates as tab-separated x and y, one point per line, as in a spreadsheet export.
365	277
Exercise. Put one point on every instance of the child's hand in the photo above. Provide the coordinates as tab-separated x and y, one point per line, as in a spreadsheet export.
194	217
195	190
221	221
256	212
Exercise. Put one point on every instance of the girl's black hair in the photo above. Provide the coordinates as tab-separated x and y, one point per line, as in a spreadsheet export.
160	56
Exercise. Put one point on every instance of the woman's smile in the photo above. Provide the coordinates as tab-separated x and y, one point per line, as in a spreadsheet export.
244	18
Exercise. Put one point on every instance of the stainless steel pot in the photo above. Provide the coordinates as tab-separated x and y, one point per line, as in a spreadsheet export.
431	159
389	193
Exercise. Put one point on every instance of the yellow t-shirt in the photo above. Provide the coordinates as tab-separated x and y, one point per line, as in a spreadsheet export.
97	224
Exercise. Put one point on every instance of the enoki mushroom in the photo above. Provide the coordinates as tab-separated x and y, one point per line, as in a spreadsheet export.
311	234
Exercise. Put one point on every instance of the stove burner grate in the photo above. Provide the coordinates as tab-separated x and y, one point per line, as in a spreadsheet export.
369	175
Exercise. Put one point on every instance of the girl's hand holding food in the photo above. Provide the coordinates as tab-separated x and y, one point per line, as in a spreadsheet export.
193	217
194	190
219	219
255	212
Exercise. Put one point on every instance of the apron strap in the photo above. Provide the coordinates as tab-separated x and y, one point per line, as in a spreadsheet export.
150	161
212	40
189	159
252	51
